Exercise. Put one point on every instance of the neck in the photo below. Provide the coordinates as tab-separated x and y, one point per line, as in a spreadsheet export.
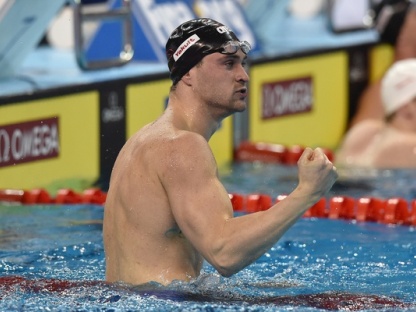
189	114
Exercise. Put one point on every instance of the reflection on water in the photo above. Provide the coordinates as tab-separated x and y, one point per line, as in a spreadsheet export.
207	293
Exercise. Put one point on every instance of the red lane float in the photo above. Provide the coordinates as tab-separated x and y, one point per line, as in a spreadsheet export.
318	210
11	196
36	196
396	211
93	196
272	153
412	217
67	196
341	207
293	154
258	202
263	152
366	209
238	201
63	196
369	209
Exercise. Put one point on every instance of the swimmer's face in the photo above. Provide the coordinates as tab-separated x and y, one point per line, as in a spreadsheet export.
221	81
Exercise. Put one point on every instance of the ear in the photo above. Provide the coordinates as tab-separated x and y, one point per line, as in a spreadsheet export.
187	79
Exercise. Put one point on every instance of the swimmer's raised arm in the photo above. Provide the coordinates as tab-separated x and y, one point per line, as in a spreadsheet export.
203	210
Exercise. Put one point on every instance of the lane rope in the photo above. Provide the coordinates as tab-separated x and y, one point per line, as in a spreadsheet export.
365	209
63	196
272	153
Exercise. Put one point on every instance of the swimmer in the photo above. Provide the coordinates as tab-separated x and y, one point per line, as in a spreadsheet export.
395	21
166	209
389	143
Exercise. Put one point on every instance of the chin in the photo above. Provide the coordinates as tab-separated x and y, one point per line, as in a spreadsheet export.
241	106
240	110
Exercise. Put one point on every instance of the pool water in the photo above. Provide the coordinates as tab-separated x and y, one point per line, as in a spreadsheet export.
51	258
276	180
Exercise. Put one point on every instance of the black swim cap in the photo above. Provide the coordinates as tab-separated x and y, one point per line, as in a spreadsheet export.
191	41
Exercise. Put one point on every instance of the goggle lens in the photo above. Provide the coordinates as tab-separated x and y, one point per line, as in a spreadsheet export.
232	47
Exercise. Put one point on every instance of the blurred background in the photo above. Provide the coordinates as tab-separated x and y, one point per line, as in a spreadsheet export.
77	78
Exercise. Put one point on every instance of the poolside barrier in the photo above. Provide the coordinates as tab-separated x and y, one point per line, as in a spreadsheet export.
366	209
272	153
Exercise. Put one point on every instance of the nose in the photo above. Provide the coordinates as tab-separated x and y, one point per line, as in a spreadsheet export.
242	74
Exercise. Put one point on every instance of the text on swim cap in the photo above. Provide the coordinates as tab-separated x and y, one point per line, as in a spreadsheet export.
223	29
185	46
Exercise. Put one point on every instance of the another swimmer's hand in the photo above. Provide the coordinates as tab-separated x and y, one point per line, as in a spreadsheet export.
317	174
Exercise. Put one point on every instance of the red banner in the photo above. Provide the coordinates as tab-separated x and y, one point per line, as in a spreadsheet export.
29	141
287	97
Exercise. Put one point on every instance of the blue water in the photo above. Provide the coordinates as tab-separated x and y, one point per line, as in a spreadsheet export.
315	256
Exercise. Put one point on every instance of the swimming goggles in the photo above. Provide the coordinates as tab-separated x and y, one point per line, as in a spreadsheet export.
231	47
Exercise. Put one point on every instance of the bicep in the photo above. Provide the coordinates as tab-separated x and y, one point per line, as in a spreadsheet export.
199	202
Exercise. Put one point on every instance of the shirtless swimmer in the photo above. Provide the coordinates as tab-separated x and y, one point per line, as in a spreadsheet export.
166	210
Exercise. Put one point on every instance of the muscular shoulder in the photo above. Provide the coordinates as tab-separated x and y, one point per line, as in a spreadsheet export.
185	142
185	152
